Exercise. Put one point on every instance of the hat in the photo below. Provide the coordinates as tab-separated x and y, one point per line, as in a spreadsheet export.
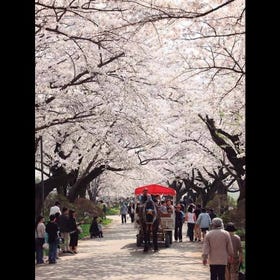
230	227
217	223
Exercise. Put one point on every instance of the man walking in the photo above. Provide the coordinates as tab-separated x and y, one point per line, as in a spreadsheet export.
217	248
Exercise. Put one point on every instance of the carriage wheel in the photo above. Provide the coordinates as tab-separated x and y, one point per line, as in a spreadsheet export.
170	236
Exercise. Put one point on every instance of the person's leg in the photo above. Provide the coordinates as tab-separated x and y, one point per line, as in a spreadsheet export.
234	270
213	272
146	236
180	232
155	237
221	271
52	252
66	241
63	246
190	230
39	250
176	232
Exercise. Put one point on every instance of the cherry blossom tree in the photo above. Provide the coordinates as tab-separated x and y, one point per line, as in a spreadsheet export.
120	86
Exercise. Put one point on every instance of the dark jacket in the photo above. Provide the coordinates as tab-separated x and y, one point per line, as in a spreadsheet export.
52	230
64	223
94	228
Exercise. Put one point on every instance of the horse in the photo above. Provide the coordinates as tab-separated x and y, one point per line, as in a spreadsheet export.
149	221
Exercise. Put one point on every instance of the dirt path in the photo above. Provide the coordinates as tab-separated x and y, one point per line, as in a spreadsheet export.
116	257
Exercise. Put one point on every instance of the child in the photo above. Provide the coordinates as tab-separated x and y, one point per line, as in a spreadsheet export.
93	230
100	234
52	231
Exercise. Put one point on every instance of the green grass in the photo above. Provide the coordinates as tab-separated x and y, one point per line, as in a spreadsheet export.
85	233
113	211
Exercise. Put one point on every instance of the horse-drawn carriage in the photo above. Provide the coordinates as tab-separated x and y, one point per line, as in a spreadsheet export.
166	220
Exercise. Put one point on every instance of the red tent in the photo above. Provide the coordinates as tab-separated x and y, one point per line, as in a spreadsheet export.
155	189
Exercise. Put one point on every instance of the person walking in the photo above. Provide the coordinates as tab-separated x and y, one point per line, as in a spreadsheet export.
217	249
190	219
179	221
232	268
123	212
131	211
197	231
204	222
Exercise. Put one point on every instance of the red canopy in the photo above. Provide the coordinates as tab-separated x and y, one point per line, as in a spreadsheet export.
155	189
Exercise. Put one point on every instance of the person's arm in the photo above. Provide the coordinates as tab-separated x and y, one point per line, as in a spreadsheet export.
198	220
230	248
205	250
240	251
194	217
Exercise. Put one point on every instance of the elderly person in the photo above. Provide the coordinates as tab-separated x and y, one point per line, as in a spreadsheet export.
217	249
233	267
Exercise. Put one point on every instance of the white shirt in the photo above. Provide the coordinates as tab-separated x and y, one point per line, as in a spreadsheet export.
190	218
55	209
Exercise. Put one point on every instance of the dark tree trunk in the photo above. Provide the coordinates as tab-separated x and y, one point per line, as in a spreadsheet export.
233	154
190	185
81	184
60	180
179	187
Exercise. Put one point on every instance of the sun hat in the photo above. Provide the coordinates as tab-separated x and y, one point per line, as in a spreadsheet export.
217	223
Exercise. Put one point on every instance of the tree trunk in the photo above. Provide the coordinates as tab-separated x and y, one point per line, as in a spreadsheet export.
237	161
60	179
81	185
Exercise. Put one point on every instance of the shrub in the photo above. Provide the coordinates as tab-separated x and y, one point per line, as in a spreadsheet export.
85	209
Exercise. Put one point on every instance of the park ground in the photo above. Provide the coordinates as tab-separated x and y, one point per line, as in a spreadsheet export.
116	257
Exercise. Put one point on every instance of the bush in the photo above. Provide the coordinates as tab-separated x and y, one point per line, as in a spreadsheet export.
85	209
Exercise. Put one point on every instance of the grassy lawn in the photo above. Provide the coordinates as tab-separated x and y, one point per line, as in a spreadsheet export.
113	211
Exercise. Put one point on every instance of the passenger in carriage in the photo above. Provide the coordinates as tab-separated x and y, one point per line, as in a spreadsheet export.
163	207
169	206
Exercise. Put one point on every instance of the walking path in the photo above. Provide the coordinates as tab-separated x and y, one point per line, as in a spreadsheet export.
116	257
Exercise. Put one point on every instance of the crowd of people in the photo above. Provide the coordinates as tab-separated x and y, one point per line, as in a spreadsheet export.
60	233
221	246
